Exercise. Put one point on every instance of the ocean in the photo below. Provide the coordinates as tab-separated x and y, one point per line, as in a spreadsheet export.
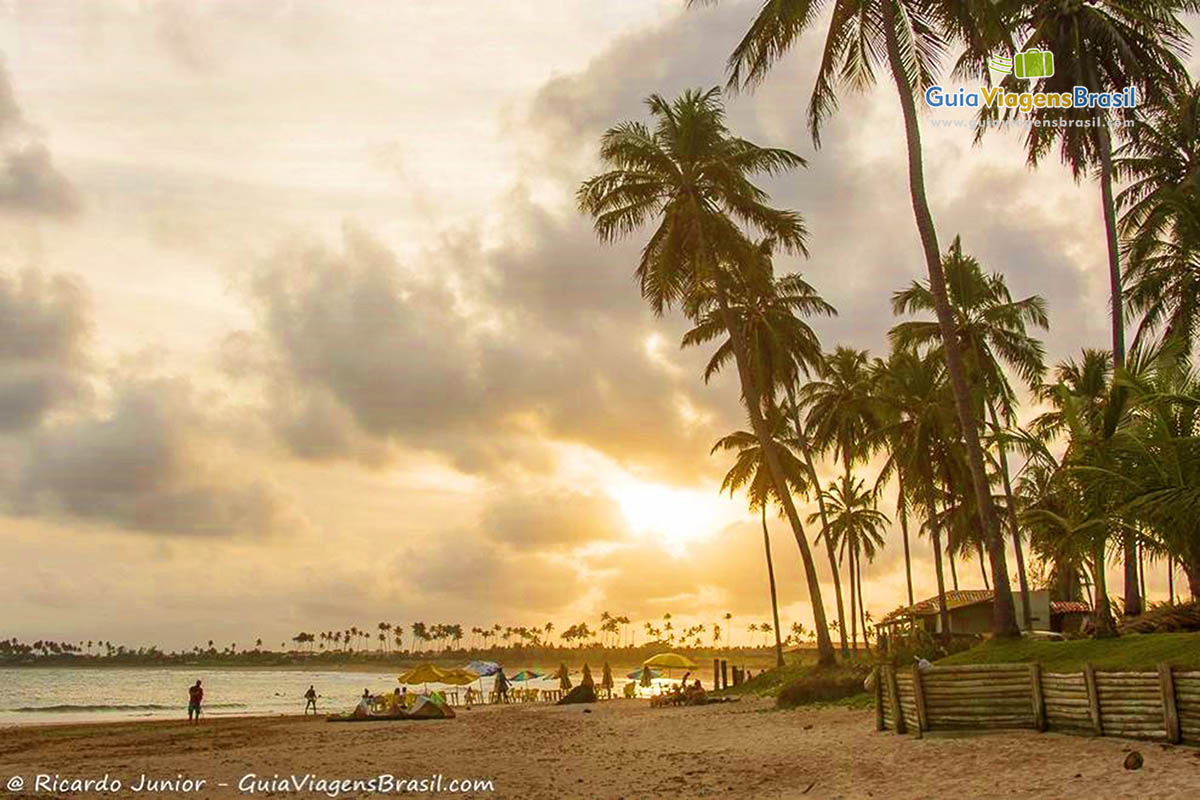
39	695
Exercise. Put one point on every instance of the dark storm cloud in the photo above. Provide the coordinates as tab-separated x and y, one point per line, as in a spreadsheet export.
44	331
146	465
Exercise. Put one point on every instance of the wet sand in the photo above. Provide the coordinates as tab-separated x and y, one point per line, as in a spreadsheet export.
621	749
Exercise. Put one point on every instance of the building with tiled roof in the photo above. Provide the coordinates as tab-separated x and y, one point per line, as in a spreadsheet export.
970	612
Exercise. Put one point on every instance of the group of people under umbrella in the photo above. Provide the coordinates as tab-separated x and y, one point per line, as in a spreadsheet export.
400	703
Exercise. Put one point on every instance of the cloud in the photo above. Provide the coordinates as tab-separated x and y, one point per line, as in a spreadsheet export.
147	465
480	354
44	333
30	183
551	519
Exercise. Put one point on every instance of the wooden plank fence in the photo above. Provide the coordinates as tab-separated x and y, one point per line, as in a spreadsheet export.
1161	705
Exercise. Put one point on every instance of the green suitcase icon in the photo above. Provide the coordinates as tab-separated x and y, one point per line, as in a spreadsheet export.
1033	64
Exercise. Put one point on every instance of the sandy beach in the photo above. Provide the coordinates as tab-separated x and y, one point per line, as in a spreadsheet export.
620	749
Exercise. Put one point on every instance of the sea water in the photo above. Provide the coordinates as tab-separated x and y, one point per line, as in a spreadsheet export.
93	694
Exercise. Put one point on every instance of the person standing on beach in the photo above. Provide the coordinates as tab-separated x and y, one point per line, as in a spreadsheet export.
310	698
195	699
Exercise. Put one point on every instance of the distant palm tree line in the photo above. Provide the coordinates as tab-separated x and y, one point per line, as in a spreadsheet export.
613	632
1112	471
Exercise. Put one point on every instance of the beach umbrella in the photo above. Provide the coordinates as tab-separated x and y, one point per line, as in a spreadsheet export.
564	678
460	676
606	678
586	680
484	668
526	675
638	674
670	661
425	675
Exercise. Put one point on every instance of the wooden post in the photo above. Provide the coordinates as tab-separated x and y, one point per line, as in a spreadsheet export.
716	674
1170	711
1089	680
876	674
724	674
1039	700
919	701
894	696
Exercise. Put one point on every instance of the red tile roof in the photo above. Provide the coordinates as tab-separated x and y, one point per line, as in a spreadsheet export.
1069	607
960	598
955	598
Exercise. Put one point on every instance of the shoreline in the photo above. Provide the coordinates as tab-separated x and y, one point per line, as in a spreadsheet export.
614	749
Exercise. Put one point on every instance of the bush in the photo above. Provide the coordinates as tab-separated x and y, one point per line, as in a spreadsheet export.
1165	618
824	685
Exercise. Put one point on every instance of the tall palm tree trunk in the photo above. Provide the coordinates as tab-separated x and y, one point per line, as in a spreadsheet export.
862	607
771	580
825	652
902	512
1003	615
982	564
1133	596
847	465
1102	614
853	601
1014	524
950	556
806	447
935	533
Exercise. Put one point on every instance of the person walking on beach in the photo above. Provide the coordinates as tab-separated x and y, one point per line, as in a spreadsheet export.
310	698
195	699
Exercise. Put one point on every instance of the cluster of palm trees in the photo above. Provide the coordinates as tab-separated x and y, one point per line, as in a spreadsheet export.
940	411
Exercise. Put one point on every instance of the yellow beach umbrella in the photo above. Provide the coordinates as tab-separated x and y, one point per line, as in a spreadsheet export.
459	676
426	673
670	661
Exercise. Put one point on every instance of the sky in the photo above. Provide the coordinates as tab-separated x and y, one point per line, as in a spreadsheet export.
300	327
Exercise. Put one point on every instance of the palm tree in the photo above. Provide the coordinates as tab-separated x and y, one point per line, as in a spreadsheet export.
857	526
841	415
749	472
1163	275
694	177
917	421
782	346
992	329
912	35
1102	45
1160	157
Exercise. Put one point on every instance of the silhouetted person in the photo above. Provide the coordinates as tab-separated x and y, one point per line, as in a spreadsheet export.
310	698
195	700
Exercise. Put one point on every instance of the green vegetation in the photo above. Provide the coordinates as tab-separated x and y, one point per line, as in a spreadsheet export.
801	682
1130	652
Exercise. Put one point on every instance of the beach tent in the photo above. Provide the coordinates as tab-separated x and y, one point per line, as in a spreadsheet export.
425	708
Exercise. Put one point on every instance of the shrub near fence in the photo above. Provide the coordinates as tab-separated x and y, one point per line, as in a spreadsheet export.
1164	704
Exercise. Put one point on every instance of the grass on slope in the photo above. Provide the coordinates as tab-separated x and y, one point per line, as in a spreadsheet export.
1135	651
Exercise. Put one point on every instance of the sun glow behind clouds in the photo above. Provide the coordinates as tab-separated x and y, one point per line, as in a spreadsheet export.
673	517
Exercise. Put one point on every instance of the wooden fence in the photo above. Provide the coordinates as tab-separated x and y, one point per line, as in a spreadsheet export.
1163	705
